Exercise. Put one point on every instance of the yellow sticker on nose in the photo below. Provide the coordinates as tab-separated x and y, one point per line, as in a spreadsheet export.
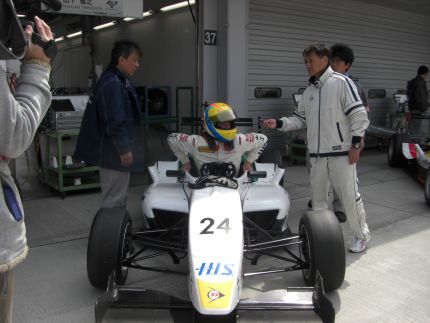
214	295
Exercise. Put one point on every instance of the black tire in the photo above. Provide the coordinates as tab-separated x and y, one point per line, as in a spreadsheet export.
108	244
395	154
322	248
272	156
427	188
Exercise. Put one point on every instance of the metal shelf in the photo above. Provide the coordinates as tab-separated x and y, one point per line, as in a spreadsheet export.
57	176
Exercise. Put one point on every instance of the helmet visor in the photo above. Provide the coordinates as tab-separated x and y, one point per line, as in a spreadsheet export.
226	115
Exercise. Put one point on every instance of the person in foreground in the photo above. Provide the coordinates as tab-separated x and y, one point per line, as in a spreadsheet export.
219	141
20	116
336	119
342	57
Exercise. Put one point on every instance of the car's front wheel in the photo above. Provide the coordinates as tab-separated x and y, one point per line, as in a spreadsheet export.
427	188
108	245
395	155
322	249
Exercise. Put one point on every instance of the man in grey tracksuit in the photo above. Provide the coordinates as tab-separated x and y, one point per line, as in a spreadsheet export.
20	115
336	119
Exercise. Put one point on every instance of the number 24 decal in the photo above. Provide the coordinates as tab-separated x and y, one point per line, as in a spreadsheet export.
224	225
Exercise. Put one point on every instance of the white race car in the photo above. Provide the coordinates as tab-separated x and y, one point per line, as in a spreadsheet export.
215	222
413	152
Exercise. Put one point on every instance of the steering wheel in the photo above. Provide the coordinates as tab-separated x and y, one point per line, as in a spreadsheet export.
218	169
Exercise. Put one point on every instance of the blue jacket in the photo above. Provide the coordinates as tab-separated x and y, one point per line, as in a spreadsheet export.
111	125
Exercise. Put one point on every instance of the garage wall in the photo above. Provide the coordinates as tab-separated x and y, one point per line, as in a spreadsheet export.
389	46
168	45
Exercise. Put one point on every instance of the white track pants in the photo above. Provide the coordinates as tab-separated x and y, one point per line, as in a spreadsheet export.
343	177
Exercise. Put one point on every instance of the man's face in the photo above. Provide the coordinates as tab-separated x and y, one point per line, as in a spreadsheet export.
130	64
339	65
315	65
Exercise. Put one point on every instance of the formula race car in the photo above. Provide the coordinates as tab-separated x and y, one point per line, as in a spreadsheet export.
413	152
411	148
215	222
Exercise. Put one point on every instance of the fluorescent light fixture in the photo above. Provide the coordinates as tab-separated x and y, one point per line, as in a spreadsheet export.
74	34
21	16
148	13
59	39
145	14
109	24
177	6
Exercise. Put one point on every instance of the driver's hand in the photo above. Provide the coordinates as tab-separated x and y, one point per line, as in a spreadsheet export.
269	123
35	51
186	167
247	166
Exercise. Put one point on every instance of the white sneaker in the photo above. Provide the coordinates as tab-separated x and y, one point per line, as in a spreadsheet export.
359	245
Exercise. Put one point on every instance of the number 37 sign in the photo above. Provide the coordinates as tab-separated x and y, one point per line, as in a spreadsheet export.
210	37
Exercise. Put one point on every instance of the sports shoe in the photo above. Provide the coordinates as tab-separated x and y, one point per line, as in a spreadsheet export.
340	216
359	245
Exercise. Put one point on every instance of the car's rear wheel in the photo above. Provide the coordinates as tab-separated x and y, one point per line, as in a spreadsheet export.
427	188
395	154
109	244
322	249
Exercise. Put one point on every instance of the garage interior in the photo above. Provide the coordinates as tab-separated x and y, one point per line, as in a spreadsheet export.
387	284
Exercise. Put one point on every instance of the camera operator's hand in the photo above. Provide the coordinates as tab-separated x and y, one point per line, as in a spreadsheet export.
35	51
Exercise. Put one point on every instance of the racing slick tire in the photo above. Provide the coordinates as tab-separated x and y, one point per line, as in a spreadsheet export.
322	248
427	188
272	156
395	154
108	244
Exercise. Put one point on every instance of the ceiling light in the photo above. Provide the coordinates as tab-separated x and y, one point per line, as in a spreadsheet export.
21	16
74	34
129	19
109	24
148	13
59	39
177	5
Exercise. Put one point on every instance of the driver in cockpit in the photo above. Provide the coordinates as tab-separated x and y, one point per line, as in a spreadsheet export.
219	141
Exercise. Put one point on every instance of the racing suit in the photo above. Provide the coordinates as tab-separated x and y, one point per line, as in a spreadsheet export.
334	115
250	146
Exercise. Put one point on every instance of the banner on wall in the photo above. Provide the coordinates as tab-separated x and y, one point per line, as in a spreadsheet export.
108	8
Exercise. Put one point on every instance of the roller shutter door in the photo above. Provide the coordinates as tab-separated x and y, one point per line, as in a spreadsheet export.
389	45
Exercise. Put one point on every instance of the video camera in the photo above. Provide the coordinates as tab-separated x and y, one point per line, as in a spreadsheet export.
13	41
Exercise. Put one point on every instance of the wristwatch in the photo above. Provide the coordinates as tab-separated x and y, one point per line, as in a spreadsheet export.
356	142
356	145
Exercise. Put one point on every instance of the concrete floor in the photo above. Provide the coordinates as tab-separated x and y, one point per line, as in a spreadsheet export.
390	282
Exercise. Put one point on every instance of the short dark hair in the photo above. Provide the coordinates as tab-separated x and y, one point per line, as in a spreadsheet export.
343	52
318	48
123	48
422	70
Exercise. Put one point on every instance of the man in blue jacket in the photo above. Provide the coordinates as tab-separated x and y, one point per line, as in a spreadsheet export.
110	131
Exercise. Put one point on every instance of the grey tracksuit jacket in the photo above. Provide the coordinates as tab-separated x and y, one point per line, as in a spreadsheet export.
20	115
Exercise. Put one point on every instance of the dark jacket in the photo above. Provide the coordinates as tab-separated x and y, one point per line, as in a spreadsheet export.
417	95
111	125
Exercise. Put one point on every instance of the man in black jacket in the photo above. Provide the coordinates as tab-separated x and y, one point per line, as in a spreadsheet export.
417	92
